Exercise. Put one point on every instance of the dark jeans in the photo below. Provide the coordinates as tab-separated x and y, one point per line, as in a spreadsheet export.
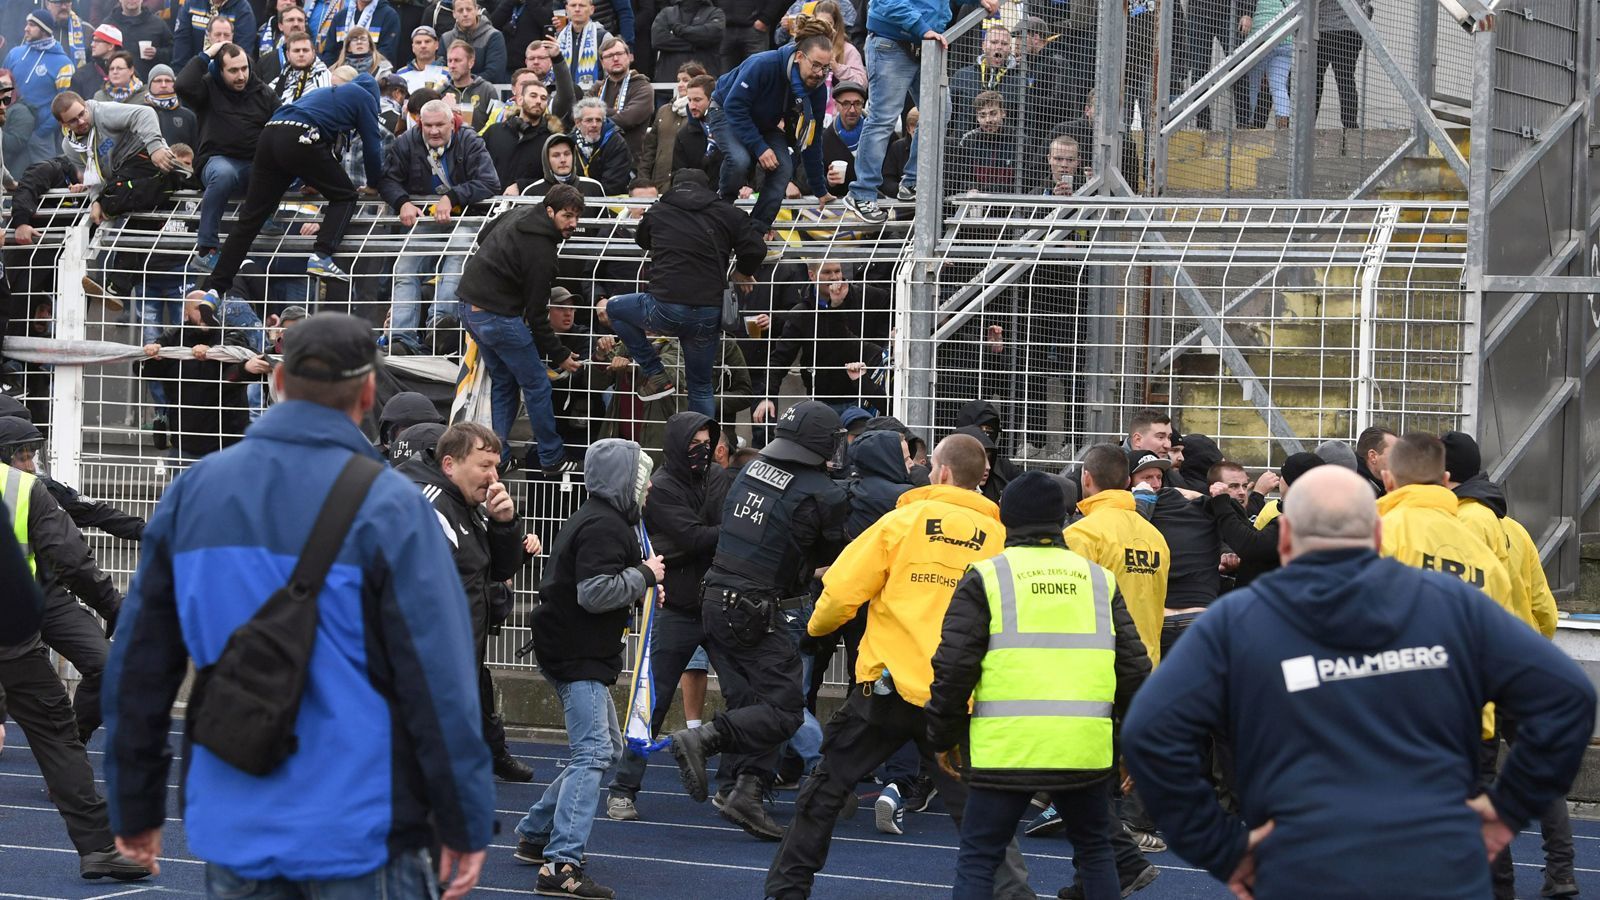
513	363
1340	50
1554	827
865	732
72	631
766	704
674	636
281	158
38	702
697	328
1219	753
991	821
739	167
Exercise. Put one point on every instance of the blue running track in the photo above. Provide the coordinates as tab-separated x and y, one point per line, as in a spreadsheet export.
679	849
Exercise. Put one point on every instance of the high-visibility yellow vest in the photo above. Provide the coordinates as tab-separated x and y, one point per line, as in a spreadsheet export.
1043	699
16	486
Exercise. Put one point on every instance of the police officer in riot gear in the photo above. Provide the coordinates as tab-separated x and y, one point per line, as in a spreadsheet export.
783	518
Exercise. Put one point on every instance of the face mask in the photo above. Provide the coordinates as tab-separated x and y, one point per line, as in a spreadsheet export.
699	458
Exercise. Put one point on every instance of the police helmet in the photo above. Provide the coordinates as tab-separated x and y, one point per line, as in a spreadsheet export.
17	434
417	440
809	433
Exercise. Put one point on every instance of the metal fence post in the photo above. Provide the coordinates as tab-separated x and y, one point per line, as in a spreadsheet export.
66	382
1303	125
1108	119
921	296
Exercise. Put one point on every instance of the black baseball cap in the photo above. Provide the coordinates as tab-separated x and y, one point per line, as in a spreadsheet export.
330	347
1144	459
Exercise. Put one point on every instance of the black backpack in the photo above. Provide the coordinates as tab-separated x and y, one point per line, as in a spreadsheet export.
244	706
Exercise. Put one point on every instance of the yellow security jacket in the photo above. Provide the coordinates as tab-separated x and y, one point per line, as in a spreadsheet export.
1422	530
1113	535
1527	571
907	564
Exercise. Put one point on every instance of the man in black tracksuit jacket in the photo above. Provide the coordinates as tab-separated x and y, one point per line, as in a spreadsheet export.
1352	687
683	519
486	540
689	234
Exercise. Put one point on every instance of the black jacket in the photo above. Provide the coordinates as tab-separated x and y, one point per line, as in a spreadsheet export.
88	513
522	22
231	121
513	270
689	30
1200	453
689	234
692	149
744	13
963	643
210	407
1001	468
517	149
466	163
609	161
51	174
146	26
62	557
684	514
826	340
486	552
1375	481
1192	578
179	126
834	149
1257	549
595	573
879	480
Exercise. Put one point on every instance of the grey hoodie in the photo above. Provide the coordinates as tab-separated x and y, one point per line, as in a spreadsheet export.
617	472
132	130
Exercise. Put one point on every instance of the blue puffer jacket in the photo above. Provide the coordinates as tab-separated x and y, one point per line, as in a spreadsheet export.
466	164
389	734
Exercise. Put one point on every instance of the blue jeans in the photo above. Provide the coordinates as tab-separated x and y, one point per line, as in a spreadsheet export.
512	361
738	164
563	817
1275	65
408	875
892	75
697	329
223	178
409	271
990	824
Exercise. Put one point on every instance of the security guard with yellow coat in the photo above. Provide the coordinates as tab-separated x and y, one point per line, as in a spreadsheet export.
1041	642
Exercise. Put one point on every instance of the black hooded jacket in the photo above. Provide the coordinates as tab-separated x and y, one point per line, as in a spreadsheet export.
1192	579
517	148
979	413
880	479
1200	453
1257	549
486	552
1481	489
230	120
689	234
513	270
684	514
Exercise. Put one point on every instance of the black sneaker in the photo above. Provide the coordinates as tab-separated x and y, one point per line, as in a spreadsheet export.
508	465
509	768
560	471
160	433
919	794
108	863
867	210
656	387
1139	882
528	852
569	881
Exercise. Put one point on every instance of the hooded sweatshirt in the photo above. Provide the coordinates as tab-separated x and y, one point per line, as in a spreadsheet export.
1115	537
595	573
684	514
231	121
1200	453
689	234
880	479
586	186
42	70
1350	687
904	568
341	109
1001	469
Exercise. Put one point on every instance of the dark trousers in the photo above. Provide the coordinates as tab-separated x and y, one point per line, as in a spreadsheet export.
494	727
673	639
991	821
1212	22
766	701
1339	50
865	732
1218	753
281	157
739	42
38	702
73	631
1554	827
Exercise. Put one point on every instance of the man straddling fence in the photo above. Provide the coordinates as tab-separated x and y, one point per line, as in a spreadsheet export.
688	235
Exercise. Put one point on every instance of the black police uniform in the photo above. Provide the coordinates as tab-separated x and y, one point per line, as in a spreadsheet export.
783	517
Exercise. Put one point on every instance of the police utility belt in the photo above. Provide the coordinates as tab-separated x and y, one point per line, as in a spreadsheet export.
752	616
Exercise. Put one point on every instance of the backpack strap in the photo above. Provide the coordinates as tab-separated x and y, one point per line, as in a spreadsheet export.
333	523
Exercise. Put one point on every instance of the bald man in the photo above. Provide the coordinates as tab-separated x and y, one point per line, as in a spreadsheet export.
1350	686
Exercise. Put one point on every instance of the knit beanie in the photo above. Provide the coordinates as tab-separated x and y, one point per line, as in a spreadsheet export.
1461	457
1337	453
1033	498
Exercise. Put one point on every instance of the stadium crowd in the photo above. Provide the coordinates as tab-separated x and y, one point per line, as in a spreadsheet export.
1106	640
